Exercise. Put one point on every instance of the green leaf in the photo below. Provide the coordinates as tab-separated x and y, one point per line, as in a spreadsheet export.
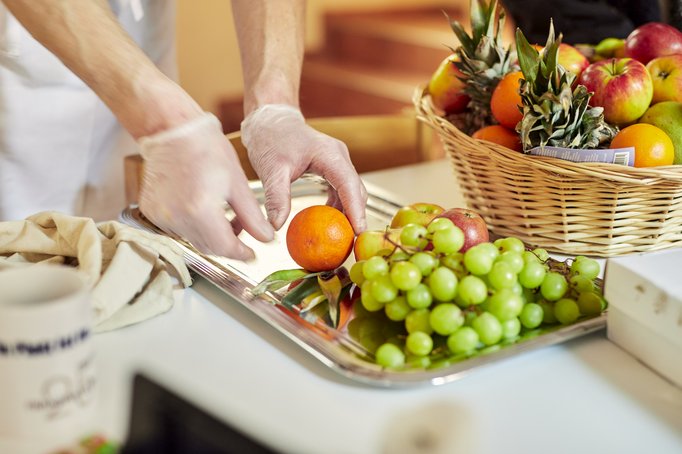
466	42
312	300
478	12
490	18
551	53
279	279
529	58
334	285
301	291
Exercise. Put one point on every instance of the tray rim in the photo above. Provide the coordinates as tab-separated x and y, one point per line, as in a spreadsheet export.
340	352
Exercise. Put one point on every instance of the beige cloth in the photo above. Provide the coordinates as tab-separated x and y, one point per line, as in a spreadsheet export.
132	273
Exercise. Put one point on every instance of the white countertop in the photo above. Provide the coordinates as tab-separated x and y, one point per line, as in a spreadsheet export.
586	395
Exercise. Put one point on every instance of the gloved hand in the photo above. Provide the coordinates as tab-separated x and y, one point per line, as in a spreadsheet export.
190	172
282	147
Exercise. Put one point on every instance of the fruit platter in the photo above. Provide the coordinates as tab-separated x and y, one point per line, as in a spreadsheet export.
571	148
423	297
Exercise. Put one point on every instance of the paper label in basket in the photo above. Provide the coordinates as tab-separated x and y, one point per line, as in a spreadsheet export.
622	156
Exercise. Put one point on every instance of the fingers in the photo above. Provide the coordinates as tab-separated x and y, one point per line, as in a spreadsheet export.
349	189
353	196
333	199
204	226
277	197
249	215
212	234
236	226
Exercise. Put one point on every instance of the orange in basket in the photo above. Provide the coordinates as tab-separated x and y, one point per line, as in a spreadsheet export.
653	147
500	135
320	238
505	102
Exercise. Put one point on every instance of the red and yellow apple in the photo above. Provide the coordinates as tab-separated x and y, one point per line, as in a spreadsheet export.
370	242
572	59
446	87
651	40
622	86
666	74
471	223
418	213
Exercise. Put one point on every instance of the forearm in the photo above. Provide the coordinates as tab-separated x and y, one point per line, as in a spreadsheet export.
271	44
88	39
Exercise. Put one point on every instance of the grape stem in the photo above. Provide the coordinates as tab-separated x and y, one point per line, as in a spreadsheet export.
398	246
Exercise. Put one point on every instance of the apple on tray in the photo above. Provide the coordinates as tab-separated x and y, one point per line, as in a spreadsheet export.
370	242
471	223
622	86
417	213
651	40
666	74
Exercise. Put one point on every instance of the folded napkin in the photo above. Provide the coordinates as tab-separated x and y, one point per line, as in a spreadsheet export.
131	273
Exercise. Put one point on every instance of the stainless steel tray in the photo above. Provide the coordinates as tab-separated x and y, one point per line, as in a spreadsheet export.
336	349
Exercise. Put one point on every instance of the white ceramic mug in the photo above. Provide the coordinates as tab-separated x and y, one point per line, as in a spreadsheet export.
47	371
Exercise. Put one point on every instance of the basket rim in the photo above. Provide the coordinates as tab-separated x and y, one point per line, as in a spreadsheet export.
427	113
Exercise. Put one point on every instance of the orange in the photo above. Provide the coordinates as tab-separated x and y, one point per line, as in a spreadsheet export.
320	238
499	135
505	103
653	147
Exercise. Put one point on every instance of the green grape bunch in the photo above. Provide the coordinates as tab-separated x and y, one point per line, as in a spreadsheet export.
425	303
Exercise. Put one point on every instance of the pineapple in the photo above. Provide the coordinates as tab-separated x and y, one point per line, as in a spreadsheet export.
483	60
554	113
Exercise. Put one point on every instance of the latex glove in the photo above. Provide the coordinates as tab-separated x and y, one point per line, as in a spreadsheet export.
281	147
190	172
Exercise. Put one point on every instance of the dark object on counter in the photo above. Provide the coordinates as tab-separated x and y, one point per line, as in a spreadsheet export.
675	13
162	422
581	21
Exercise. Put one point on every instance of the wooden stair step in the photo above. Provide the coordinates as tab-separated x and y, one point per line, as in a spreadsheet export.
394	86
417	39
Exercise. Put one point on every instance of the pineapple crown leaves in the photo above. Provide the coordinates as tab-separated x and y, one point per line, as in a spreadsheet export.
483	59
555	113
484	35
483	51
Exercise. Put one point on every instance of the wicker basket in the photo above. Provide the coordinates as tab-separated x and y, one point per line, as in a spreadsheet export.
572	208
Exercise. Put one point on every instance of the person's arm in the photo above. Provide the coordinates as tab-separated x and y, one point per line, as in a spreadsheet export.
88	39
281	146
190	168
271	38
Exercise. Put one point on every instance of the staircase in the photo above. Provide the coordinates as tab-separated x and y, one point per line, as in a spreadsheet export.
371	62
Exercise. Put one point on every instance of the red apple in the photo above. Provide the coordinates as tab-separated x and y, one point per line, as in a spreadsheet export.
622	86
417	213
651	40
370	242
666	74
572	59
472	224
446	87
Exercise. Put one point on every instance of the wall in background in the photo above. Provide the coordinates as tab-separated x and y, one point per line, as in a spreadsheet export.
208	55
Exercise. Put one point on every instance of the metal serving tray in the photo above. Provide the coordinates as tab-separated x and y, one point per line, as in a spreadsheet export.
334	348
